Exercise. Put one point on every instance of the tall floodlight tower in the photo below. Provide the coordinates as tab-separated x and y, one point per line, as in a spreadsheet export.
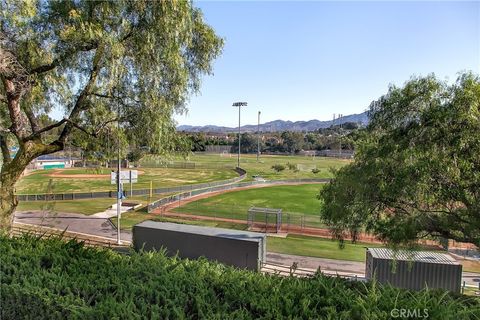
258	137
239	105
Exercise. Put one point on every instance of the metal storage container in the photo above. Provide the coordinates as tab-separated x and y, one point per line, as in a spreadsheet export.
413	269
232	247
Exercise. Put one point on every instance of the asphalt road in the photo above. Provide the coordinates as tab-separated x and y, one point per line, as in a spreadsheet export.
72	222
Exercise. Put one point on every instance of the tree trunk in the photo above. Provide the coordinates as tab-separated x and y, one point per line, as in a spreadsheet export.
11	173
8	201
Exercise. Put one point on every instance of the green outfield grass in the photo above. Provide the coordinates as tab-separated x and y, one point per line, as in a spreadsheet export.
211	167
318	247
38	181
264	166
84	206
297	200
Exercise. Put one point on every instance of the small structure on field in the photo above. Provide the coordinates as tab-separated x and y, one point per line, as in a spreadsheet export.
268	219
53	162
237	248
413	270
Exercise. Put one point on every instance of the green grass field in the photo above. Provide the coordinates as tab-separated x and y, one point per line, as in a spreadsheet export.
211	167
264	167
38	181
318	247
294	199
84	206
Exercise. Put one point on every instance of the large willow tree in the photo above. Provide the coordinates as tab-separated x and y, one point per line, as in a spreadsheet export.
416	172
100	61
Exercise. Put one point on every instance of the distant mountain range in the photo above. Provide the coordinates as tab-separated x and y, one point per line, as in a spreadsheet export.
280	125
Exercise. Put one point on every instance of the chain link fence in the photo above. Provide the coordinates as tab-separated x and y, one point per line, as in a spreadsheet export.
137	192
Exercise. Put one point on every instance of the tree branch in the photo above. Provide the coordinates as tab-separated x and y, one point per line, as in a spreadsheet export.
45	129
57	61
81	48
33	121
17	116
118	98
79	104
93	134
102	126
4	148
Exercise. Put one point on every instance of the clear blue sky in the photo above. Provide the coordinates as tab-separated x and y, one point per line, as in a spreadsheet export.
308	60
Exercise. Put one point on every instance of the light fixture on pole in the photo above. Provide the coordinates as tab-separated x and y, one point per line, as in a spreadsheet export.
239	105
258	137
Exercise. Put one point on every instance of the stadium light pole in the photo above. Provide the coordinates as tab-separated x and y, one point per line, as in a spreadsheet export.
119	200
239	105
258	137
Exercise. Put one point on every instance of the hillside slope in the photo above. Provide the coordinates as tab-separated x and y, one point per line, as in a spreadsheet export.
281	125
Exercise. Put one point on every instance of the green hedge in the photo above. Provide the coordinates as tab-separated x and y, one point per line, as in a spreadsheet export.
52	279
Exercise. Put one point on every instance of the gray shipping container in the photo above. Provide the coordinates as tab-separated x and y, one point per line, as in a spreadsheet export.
413	270
232	247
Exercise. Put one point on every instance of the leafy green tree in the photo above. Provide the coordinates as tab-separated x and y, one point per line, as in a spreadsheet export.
198	141
293	141
248	144
135	62
416	168
273	144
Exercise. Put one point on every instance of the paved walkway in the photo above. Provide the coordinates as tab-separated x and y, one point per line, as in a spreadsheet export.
99	226
313	263
111	212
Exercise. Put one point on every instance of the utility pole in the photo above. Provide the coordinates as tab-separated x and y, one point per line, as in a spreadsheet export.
239	105
340	139
258	137
119	188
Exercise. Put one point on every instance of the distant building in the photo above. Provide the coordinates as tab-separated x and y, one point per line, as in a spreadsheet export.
53	162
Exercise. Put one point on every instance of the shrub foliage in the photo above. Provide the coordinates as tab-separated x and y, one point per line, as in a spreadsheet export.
52	279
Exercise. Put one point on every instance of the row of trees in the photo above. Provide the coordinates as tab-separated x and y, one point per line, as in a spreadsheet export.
332	138
293	142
